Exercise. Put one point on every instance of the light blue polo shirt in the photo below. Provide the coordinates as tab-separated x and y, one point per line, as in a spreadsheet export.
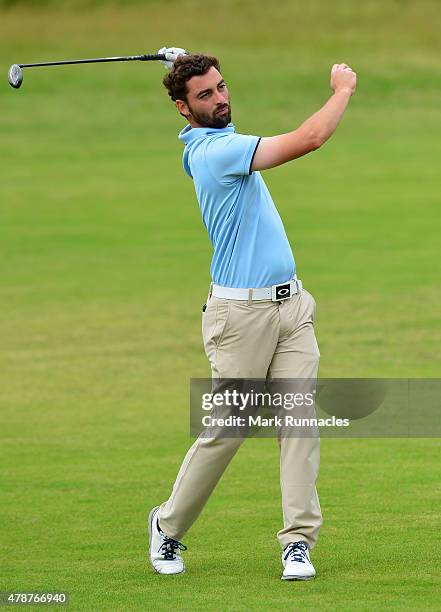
251	248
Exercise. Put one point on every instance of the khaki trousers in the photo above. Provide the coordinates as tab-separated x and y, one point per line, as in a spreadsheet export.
255	340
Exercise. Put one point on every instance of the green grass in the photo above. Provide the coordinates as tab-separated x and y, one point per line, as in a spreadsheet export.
96	217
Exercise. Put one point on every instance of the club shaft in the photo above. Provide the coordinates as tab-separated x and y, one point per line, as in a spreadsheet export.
129	58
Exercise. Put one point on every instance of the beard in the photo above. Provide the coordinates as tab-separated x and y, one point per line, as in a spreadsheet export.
214	119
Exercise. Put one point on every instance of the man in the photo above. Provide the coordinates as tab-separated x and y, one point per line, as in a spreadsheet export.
258	320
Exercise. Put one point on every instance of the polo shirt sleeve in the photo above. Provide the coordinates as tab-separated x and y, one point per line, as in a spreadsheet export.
229	157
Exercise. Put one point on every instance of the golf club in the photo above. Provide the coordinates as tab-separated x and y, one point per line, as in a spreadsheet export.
15	74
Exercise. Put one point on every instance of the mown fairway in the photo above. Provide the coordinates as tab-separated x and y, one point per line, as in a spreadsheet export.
104	268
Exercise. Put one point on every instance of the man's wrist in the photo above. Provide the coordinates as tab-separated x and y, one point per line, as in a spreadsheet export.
345	89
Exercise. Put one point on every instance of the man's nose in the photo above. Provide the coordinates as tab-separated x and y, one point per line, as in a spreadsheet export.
221	98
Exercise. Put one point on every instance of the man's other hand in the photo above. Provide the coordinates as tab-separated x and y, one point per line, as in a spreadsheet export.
171	53
343	77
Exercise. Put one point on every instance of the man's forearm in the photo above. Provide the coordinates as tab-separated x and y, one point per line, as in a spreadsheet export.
276	150
322	124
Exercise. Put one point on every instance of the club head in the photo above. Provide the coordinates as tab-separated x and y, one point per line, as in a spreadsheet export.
15	76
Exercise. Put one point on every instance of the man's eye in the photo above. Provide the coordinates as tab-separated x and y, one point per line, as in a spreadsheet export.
222	86
204	95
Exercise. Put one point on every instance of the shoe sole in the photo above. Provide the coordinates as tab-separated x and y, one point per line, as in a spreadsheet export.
297	577
149	523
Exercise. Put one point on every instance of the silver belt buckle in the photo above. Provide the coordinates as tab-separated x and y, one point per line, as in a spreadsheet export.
281	292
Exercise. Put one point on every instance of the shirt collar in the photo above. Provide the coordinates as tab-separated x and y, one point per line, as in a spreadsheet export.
190	134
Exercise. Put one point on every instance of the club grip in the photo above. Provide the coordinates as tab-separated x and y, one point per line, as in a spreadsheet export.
152	56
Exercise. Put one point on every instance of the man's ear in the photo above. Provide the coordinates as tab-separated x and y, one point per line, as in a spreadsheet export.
183	108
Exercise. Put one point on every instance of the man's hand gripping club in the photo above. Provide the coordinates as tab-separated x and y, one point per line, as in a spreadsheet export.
171	53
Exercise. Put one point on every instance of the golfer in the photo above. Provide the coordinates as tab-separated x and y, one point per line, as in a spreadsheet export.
259	320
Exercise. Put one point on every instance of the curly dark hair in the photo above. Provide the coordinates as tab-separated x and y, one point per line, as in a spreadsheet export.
185	67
